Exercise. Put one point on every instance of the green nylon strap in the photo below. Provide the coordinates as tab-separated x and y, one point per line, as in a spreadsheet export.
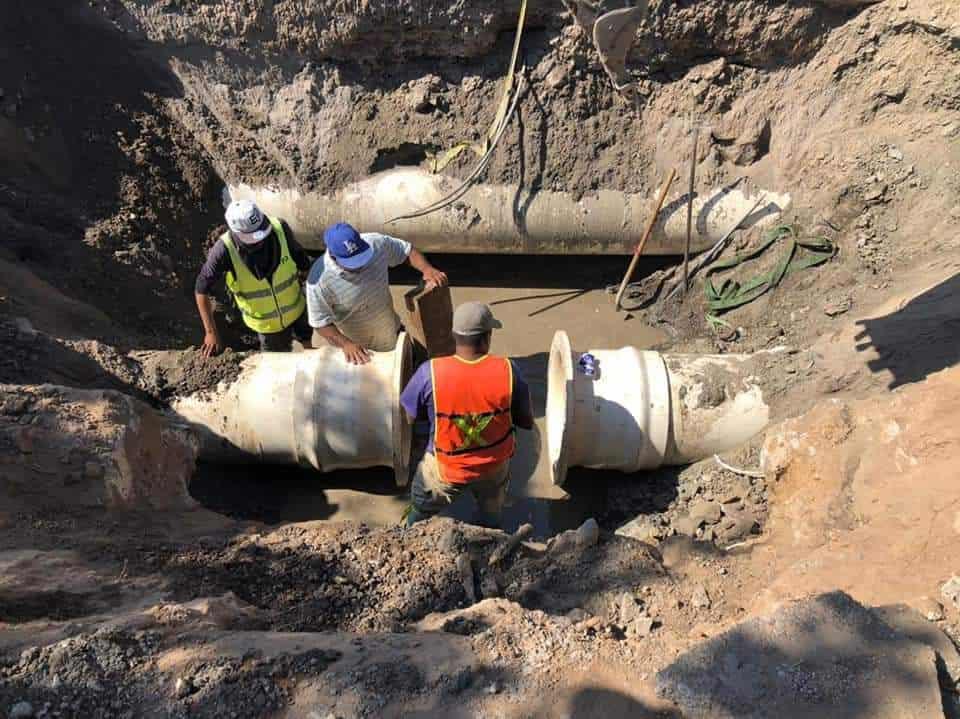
799	255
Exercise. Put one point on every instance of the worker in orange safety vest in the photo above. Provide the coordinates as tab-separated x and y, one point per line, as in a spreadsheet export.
473	402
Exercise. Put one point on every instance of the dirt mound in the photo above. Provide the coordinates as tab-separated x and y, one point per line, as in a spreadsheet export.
178	374
776	666
871	475
88	448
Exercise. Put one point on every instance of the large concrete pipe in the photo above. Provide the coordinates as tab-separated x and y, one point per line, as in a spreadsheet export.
640	409
310	408
503	218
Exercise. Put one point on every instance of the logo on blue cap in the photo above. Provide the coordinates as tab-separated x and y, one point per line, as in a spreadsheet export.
346	246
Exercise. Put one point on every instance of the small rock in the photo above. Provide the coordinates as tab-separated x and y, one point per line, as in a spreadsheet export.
558	76
642	626
420	99
931	609
703	512
493	688
951	591
875	194
686	526
21	710
183	688
736	526
629	610
93	471
641	528
588	533
577	615
700	599
838	307
894	154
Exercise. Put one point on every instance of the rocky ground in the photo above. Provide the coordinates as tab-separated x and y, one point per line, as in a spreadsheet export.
706	591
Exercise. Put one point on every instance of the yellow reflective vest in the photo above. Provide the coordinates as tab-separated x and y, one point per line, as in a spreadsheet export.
267	306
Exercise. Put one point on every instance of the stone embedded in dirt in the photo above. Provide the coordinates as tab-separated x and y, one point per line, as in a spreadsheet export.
951	591
929	608
628	609
895	154
703	512
838	307
183	688
824	656
584	537
642	528
419	99
700	599
643	626
736	525
686	526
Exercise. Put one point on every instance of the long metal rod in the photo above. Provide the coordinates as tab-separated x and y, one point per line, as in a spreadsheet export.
646	236
693	179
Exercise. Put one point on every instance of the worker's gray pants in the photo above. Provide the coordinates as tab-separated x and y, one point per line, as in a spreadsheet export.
430	495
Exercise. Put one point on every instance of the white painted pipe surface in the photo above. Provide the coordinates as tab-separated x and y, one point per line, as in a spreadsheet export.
642	409
505	219
309	408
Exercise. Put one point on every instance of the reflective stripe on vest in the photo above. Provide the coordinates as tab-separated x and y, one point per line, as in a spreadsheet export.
267	307
473	432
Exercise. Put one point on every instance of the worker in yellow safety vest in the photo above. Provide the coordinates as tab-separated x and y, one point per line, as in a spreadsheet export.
261	264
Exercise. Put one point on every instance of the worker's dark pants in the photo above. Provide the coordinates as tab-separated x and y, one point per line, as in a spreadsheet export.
430	495
281	341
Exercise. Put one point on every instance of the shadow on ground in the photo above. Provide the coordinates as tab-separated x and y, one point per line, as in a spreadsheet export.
920	338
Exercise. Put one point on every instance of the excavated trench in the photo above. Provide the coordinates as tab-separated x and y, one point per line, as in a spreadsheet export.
532	296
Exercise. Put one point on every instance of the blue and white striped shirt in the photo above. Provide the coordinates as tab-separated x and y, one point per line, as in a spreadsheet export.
358	302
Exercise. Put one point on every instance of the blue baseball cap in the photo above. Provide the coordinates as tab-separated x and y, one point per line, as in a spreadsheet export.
347	247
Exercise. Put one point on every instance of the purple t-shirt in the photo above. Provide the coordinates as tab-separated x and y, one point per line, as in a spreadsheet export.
417	399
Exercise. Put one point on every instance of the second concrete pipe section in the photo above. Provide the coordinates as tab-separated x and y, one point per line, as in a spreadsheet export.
311	408
631	409
506	219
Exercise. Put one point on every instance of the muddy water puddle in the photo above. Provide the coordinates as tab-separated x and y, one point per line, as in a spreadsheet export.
530	317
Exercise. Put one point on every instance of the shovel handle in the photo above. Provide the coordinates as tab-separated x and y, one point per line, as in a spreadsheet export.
646	236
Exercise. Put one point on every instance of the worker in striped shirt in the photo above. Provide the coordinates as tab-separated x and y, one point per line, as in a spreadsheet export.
348	290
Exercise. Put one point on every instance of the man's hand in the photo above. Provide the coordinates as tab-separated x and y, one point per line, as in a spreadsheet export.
434	277
211	344
355	354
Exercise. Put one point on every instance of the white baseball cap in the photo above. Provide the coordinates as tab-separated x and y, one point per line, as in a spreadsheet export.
247	222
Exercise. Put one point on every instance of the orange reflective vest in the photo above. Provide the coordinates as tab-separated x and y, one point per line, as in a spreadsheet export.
474	431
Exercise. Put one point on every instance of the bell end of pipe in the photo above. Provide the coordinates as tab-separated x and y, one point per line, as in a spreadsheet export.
559	409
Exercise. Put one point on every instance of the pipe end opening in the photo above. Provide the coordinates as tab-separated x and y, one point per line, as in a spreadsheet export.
559	387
